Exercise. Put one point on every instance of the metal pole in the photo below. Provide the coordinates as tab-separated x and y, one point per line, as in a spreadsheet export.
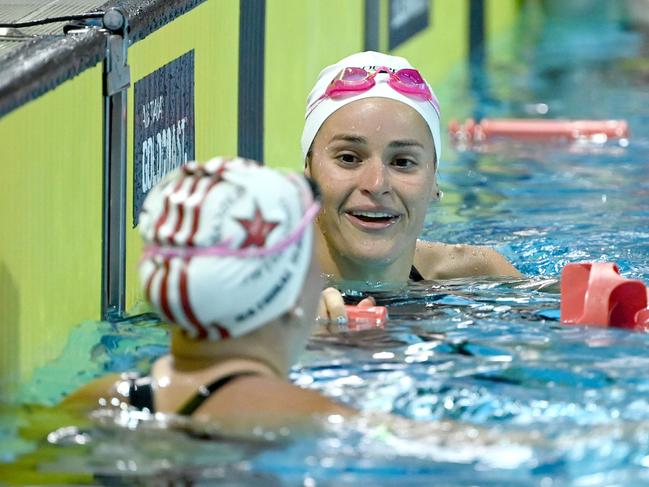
116	83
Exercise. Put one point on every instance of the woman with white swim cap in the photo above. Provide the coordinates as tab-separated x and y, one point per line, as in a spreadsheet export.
228	259
372	142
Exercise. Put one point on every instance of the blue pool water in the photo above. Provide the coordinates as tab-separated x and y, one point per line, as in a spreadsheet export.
531	402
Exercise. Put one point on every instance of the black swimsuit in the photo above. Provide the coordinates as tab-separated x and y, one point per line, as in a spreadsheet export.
415	276
141	393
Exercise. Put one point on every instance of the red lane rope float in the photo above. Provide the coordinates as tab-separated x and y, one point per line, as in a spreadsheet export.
536	129
596	294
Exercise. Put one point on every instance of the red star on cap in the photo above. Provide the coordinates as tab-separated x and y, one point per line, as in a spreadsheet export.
257	229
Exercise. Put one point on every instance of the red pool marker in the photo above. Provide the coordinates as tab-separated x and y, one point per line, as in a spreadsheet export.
366	317
536	129
596	294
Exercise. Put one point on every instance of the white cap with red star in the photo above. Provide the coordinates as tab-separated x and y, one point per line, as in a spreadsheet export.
227	245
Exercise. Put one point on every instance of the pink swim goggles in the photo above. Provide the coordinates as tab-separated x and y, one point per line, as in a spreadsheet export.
353	80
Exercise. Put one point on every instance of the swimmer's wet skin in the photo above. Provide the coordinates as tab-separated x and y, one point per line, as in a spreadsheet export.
372	142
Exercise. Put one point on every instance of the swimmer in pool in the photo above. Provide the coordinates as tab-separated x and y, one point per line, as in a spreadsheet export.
372	142
228	259
229	262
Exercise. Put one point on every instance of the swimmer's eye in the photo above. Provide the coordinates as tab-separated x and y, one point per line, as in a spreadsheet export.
348	159
404	163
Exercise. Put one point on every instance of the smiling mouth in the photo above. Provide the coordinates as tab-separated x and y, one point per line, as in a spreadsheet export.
373	219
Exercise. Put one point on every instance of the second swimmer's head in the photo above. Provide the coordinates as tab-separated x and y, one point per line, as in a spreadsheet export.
227	246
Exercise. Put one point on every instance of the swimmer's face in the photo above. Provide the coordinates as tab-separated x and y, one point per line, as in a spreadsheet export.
374	160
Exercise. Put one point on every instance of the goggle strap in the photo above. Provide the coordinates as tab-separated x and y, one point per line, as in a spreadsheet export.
167	252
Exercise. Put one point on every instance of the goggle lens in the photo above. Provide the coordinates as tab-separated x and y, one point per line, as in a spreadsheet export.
410	77
353	75
354	78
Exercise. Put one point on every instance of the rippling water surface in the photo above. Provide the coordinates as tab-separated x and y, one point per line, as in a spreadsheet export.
530	401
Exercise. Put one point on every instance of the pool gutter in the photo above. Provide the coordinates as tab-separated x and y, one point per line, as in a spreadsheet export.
43	63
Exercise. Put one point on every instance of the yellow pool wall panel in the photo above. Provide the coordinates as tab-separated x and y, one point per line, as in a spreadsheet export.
212	31
301	38
443	45
50	253
500	18
500	15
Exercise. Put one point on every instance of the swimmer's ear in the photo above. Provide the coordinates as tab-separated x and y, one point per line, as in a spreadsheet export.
436	193
307	164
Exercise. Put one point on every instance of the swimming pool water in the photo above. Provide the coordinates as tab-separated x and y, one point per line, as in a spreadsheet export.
534	402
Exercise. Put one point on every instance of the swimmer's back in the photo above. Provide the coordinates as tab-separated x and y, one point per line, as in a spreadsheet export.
242	395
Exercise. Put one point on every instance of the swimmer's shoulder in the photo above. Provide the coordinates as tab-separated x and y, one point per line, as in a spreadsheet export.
271	398
436	260
88	395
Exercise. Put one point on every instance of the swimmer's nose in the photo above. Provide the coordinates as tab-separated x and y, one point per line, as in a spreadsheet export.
374	178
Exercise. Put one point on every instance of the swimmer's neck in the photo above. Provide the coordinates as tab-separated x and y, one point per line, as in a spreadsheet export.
189	354
347	270
375	271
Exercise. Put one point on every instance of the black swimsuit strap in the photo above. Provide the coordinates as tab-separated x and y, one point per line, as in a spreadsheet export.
204	392
140	393
415	276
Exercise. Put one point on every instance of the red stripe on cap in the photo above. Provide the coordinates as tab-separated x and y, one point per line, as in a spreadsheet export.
149	282
225	334
186	303
164	298
165	213
217	178
181	212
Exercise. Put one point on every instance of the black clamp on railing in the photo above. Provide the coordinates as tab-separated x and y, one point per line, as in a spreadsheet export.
118	73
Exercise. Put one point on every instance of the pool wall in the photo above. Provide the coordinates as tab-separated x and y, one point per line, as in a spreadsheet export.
254	62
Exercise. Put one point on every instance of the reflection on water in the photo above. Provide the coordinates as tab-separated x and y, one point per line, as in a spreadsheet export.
493	385
486	354
495	391
122	448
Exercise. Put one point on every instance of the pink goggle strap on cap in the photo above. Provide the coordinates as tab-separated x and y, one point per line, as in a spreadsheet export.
223	250
352	80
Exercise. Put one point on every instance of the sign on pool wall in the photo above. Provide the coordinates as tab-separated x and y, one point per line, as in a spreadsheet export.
163	125
407	18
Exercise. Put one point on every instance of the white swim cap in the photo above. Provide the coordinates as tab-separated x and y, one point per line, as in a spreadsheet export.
319	108
227	246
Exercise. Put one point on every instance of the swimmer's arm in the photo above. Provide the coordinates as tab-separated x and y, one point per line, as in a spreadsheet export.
88	396
443	261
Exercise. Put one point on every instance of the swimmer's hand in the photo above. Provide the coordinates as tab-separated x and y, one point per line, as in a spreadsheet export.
332	315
